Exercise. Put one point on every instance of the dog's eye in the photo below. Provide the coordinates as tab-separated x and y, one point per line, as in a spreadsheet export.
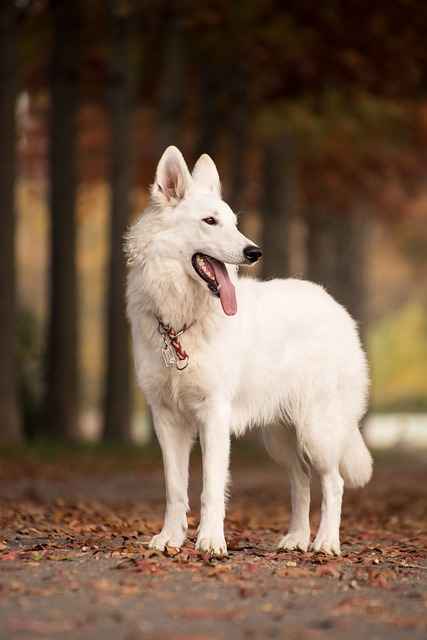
210	220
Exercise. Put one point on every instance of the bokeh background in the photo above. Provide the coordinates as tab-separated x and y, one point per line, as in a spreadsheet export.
316	115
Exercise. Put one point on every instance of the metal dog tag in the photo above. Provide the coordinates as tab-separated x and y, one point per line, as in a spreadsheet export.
168	354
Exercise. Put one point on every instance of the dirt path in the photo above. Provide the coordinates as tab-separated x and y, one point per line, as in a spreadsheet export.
73	563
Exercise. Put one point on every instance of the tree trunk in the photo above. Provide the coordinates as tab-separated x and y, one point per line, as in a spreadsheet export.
335	257
210	123
117	401
278	204
172	86
350	242
239	127
62	397
321	247
10	425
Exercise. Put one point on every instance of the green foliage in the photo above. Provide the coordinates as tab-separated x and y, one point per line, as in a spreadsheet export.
105	457
398	356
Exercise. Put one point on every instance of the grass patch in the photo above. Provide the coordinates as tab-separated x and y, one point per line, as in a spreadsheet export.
398	358
114	456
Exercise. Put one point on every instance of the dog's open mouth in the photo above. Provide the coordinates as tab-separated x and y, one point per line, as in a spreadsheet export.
215	274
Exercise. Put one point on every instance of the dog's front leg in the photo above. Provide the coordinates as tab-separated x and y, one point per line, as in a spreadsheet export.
215	443
175	440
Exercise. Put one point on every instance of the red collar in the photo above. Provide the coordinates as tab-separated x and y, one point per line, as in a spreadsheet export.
172	351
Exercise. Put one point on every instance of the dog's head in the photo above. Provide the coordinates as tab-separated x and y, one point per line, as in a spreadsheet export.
198	228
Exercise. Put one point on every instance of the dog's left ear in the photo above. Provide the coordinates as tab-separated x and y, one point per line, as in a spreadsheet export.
172	178
206	175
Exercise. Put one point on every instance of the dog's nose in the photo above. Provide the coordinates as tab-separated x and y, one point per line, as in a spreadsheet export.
252	253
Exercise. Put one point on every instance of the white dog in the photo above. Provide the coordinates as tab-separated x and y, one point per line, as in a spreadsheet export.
216	355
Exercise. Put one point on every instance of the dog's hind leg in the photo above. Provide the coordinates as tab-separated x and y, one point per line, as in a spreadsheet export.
282	445
328	535
324	437
175	440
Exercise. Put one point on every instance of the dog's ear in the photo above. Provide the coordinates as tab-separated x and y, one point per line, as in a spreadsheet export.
172	178
205	174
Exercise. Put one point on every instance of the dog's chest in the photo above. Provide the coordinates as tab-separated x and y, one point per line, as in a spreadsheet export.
182	389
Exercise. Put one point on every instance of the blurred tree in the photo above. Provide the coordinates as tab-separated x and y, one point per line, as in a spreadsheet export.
117	400
210	122
309	56
172	81
62	393
238	133
30	374
234	61
336	255
350	235
225	89
10	430
348	151
320	261
278	203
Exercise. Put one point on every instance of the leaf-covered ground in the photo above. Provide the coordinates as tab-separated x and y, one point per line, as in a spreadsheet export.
74	562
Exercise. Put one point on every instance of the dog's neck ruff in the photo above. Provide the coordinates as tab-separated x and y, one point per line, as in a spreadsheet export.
173	353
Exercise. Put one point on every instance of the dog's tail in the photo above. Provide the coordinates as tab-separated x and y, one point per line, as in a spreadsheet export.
356	463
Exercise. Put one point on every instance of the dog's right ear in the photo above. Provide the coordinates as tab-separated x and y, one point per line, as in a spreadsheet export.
206	174
172	178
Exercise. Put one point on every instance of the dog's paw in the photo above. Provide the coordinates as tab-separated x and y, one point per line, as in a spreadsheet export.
214	545
295	540
164	538
328	544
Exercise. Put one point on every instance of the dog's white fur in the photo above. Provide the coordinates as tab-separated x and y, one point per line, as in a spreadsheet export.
290	361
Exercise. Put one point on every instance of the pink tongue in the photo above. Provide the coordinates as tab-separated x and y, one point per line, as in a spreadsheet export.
227	293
